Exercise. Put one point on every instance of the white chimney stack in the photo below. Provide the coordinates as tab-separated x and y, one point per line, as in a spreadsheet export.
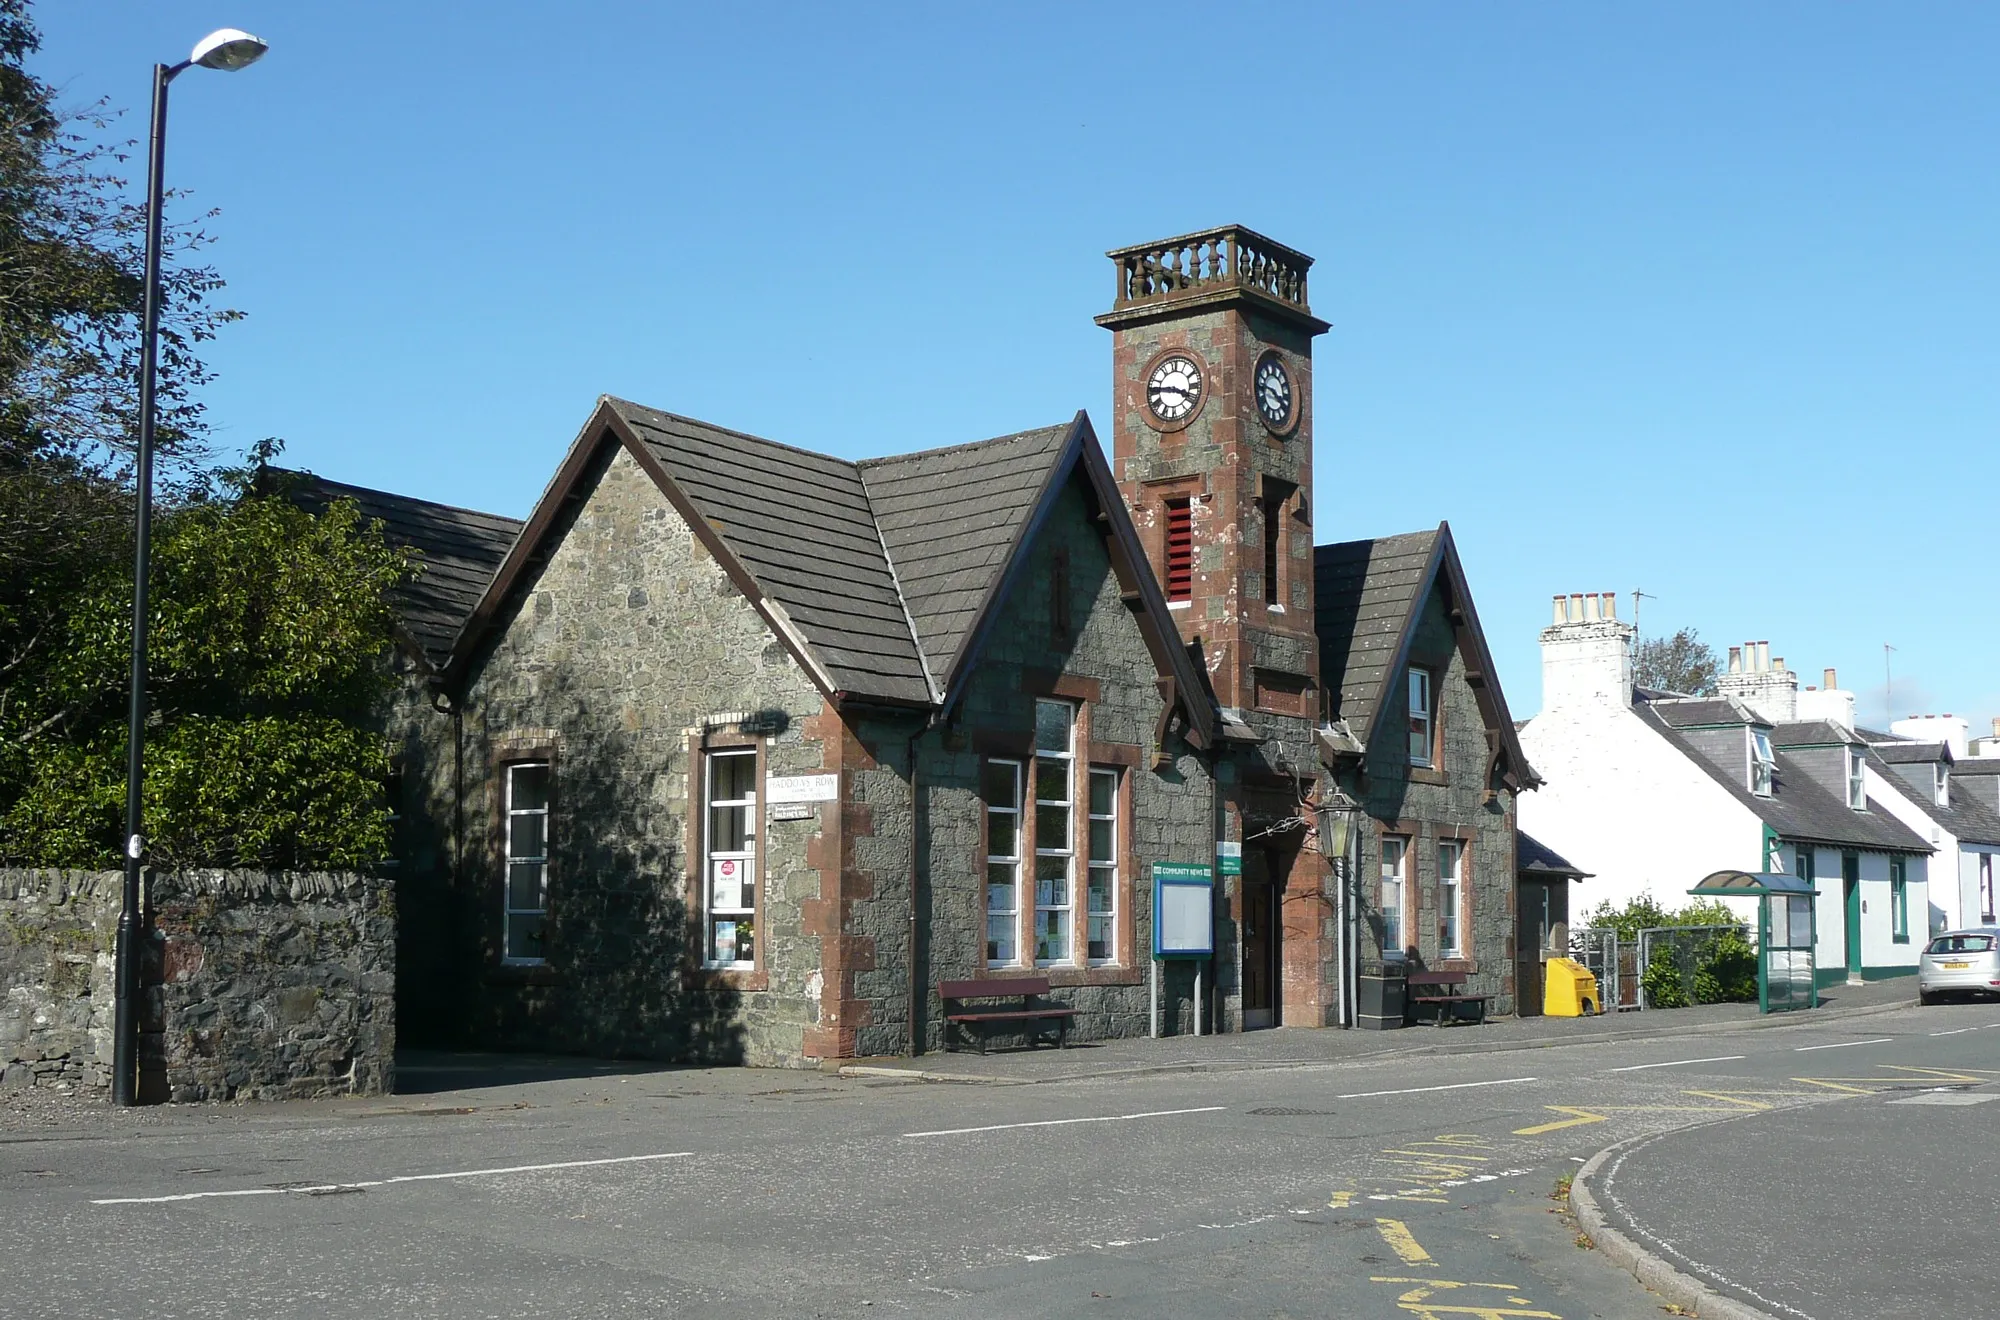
1949	729
1761	683
1833	704
1586	653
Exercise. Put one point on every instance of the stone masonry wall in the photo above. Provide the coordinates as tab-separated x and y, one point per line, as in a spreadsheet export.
254	985
1170	812
1428	807
630	641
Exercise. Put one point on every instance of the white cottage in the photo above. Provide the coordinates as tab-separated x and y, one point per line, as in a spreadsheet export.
1652	791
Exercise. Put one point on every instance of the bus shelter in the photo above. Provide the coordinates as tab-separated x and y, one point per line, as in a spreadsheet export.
1784	933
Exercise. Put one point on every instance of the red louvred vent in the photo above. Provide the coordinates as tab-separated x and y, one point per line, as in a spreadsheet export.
1180	550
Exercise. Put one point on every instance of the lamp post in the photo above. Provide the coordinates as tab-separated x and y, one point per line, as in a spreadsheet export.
228	50
1340	819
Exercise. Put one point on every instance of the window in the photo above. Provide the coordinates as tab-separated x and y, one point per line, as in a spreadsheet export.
1180	550
1000	784
729	858
1421	722
1986	886
1899	900
527	900
1055	840
1274	529
1941	785
1395	853
1806	872
1857	781
1101	939
1763	764
1451	856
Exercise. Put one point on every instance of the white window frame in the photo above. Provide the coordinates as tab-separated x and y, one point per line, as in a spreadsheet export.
1105	868
1763	763
1857	781
1941	783
1393	904
512	859
1422	700
1899	900
1986	886
1059	853
1009	863
740	913
1451	893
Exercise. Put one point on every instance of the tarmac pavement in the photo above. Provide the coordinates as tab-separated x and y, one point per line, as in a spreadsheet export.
1355	1182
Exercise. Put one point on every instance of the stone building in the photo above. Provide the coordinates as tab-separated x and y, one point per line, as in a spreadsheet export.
742	749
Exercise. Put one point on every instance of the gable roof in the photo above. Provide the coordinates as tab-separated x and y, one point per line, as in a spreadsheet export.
459	551
951	520
1369	597
1798	809
1912	753
880	576
1698	712
1811	733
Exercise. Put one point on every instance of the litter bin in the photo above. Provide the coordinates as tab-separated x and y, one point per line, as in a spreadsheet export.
1384	989
1569	989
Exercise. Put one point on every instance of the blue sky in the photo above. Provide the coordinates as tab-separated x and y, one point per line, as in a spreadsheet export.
1697	298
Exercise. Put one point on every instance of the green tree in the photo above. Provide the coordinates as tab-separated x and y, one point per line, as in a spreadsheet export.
269	625
270	632
1682	663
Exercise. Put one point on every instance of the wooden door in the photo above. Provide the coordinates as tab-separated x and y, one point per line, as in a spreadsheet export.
1531	936
1260	945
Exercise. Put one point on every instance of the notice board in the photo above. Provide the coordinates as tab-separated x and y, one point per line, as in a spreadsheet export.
1183	910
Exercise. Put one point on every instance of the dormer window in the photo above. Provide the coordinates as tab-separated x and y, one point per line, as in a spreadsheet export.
1941	785
1763	765
1857	781
1422	718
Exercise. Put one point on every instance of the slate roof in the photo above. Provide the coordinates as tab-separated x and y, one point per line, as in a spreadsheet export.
1910	753
950	520
1977	765
1533	858
802	525
1977	821
1368	598
1798	809
459	549
1701	712
880	575
1365	594
1810	733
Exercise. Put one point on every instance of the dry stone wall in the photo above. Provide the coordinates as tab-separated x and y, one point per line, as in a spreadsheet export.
254	985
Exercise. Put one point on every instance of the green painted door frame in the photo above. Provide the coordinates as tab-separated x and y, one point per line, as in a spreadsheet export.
1850	891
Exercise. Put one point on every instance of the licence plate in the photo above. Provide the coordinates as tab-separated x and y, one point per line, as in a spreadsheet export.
1955	967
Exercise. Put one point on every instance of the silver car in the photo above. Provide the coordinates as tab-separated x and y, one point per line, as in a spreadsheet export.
1960	962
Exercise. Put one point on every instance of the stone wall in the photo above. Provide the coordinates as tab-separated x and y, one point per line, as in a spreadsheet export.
610	663
254	985
1456	800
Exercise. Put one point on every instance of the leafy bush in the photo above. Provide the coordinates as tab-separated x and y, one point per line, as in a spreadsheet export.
1664	981
1727	972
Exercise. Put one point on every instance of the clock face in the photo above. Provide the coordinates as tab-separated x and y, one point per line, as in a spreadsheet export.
1274	392
1173	388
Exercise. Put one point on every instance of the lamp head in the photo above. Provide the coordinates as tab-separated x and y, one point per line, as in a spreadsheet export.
228	49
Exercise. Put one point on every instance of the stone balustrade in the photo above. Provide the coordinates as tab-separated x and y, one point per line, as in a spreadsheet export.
1231	257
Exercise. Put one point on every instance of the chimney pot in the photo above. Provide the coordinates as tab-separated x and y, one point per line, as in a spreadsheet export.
1735	659
1561	610
1611	605
1828	681
1778	664
1576	607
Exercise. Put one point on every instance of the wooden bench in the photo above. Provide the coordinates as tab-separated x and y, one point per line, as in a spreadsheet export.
1440	990
1021	1012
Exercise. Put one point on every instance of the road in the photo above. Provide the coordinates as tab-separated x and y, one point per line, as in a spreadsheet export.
1380	1186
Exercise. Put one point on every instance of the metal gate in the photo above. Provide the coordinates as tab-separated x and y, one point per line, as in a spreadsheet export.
1597	948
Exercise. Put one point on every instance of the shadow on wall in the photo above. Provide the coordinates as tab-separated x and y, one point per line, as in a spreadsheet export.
615	983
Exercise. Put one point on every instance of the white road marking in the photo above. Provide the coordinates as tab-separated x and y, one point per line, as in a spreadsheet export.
1842	1044
322	1189
1641	1067
1455	1086
1948	1098
1063	1122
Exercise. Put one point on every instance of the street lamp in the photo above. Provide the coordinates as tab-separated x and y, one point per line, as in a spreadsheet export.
227	49
1340	826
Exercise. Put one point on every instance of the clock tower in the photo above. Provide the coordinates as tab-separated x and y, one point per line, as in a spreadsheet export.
1212	448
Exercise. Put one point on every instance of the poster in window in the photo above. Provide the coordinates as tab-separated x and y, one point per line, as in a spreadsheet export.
726	889
725	941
